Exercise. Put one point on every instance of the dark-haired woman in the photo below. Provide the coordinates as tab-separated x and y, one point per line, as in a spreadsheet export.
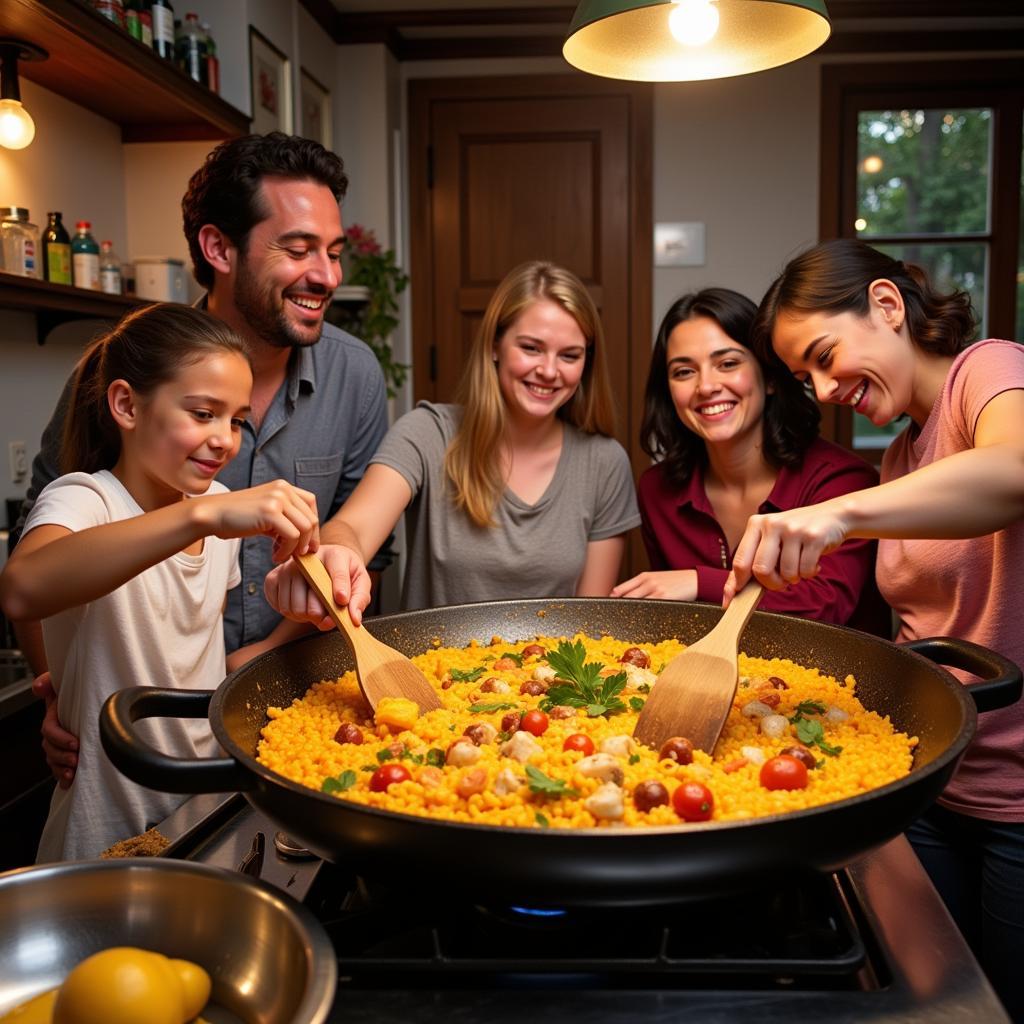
735	435
871	332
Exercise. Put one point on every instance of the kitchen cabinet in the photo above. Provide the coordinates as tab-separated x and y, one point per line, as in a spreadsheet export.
97	65
54	304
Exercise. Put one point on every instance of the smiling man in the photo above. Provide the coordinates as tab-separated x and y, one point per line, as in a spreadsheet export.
262	221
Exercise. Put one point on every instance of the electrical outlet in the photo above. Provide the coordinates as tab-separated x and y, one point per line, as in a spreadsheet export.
18	457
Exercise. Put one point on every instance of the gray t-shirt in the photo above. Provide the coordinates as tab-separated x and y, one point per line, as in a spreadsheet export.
533	550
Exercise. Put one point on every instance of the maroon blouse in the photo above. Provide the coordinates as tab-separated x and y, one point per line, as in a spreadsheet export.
680	532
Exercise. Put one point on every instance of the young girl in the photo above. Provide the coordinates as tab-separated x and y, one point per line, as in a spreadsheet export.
871	332
736	434
519	490
127	565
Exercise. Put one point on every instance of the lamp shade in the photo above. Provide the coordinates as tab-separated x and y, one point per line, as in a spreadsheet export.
632	39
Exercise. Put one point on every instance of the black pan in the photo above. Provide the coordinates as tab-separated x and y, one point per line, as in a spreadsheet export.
561	867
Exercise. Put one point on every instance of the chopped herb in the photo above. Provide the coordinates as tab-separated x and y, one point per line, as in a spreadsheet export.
541	820
513	656
481	709
368	768
810	731
504	735
580	684
636	704
385	755
435	757
644	687
408	755
470	675
545	785
634	758
344	781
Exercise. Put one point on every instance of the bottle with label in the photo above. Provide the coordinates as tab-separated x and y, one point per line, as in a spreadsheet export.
146	24
56	250
162	14
110	269
112	9
19	238
85	257
190	48
132	22
212	63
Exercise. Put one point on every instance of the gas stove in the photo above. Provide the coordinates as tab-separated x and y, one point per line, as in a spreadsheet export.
872	942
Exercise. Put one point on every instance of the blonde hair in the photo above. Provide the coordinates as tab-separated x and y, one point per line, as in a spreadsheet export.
470	465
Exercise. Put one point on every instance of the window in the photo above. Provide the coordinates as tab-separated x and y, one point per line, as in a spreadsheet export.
930	172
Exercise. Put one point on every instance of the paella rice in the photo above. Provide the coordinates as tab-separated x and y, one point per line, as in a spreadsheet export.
549	741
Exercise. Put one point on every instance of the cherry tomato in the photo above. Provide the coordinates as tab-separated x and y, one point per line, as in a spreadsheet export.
693	801
386	774
579	741
783	772
534	721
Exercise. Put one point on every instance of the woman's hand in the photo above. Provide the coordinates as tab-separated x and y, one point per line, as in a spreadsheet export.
786	547
277	509
674	585
287	591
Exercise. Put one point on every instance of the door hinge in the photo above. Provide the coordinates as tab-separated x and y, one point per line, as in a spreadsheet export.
430	166
433	362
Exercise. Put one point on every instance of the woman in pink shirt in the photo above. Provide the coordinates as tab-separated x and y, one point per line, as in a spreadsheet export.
871	332
734	434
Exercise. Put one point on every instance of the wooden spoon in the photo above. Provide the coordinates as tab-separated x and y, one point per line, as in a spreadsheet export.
381	670
694	692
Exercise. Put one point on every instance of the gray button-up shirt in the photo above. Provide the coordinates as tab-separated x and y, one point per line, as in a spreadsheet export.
322	427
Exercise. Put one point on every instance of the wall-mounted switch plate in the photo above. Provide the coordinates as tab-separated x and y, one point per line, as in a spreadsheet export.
18	457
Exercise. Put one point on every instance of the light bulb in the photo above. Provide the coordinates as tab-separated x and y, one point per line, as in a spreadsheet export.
17	129
693	22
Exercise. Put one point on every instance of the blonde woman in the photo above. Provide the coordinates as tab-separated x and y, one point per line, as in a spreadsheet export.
518	490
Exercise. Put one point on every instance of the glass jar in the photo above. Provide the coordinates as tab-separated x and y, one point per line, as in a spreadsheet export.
19	238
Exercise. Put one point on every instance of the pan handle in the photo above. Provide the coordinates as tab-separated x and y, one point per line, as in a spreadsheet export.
1001	681
147	766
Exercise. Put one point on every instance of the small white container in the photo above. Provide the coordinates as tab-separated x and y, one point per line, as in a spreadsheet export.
161	278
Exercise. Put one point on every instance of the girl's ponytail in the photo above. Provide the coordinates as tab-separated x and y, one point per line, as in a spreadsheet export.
147	348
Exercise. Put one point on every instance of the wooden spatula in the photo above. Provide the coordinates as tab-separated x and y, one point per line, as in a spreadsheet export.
381	670
694	692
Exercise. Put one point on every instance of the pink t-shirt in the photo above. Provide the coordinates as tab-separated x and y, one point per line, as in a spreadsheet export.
966	588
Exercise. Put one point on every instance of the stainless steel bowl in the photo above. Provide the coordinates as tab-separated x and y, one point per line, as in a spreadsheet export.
269	958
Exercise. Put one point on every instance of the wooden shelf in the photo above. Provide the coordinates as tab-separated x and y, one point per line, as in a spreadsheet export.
55	304
94	63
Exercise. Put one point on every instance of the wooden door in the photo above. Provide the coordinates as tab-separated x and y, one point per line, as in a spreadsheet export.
505	170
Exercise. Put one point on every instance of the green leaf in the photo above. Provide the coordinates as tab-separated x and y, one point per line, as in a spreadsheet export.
636	704
466	675
546	786
435	757
634	758
541	820
513	656
344	781
809	707
385	755
486	708
581	684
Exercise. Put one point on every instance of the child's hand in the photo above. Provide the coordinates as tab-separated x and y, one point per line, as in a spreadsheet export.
287	591
277	509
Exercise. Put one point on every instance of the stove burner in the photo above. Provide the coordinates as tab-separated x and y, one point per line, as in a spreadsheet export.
798	933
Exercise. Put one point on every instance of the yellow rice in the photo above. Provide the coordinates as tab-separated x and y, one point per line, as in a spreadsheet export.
298	742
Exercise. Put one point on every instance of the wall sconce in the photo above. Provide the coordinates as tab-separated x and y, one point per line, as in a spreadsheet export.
17	129
692	40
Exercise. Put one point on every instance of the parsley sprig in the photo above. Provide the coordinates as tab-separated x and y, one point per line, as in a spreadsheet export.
545	785
580	684
346	780
470	675
810	731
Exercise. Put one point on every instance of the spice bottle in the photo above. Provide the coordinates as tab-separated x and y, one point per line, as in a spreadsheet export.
56	250
20	241
85	257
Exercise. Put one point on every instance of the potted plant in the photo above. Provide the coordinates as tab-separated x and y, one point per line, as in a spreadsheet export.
374	319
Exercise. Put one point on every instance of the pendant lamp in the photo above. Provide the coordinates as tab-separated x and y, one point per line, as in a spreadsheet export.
17	129
692	40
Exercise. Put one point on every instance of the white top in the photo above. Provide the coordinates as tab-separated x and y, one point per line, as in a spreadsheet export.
162	628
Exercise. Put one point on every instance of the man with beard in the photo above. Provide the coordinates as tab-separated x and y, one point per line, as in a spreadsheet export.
264	230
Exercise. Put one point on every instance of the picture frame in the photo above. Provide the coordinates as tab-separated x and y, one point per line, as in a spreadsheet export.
314	109
271	86
679	244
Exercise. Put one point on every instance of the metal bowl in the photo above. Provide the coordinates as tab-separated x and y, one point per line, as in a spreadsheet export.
269	958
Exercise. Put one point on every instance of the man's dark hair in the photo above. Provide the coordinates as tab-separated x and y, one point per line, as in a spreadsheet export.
225	191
